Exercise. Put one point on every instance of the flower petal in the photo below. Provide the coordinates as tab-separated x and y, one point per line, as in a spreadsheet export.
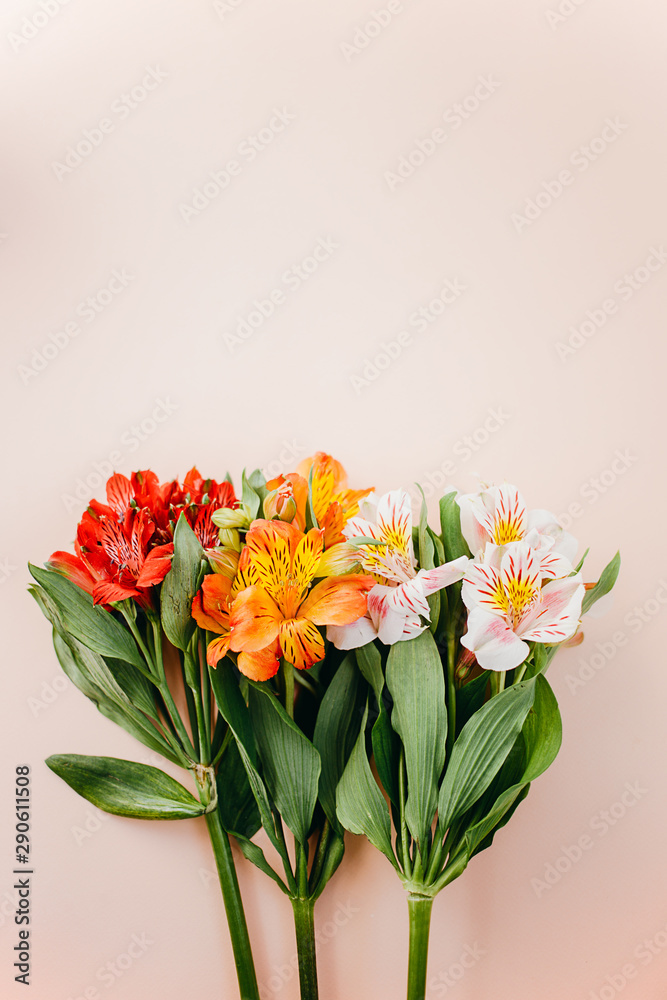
557	615
73	568
301	643
432	580
210	606
254	620
216	650
156	565
492	641
260	665
337	600
354	635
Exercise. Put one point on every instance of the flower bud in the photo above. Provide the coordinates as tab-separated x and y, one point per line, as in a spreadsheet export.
280	504
230	538
224	561
226	517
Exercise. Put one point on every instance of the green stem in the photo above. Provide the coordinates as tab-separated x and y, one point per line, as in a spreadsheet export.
419	909
231	895
520	672
304	926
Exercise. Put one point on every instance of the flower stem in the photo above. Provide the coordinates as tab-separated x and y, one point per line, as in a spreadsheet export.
304	925
231	895
419	909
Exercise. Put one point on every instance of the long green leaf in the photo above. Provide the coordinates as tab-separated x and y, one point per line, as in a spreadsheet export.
479	752
125	788
290	763
604	584
181	584
335	733
88	622
541	736
416	682
360	805
450	523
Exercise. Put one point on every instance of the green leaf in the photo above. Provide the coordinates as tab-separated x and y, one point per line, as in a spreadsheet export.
136	686
369	662
236	803
479	752
416	681
541	737
290	763
604	584
450	522
335	733
181	584
386	745
88	622
235	712
125	788
470	698
427	560
360	805
253	491
255	854
89	672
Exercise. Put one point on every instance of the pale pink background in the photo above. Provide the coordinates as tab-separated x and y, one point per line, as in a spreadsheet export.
288	391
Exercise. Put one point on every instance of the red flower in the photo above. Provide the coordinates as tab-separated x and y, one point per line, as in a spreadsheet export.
124	547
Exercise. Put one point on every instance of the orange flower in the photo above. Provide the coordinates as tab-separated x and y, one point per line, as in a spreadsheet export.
333	502
211	608
278	613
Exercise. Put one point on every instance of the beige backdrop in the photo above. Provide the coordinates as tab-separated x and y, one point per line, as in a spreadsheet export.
428	238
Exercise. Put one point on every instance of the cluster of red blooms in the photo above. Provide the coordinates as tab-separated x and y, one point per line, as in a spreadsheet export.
124	547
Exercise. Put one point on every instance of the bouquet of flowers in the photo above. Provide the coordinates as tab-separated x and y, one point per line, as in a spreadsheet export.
272	644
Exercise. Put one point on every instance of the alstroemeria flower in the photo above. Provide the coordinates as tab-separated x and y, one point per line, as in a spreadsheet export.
211	609
116	557
498	514
333	503
510	606
280	607
397	604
